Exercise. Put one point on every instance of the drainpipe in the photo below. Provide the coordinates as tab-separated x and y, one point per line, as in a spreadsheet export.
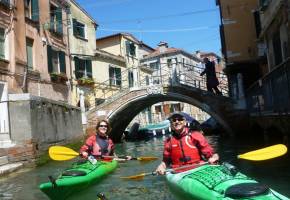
70	80
24	83
82	105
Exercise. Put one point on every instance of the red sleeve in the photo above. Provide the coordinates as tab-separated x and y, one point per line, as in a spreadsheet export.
202	144
167	152
89	143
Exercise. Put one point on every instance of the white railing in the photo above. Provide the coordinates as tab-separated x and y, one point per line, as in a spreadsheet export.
180	73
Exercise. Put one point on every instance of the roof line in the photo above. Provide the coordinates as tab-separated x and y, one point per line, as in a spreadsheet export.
84	11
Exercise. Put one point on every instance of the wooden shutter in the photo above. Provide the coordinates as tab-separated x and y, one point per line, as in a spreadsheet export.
35	10
89	68
29	53
77	67
59	20
74	27
118	76
111	75
49	59
62	66
127	47
2	43
132	49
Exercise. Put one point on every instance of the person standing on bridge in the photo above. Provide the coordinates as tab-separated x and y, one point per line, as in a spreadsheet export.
100	145
185	147
211	79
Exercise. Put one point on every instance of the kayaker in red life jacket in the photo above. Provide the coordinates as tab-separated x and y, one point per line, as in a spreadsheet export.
100	145
184	147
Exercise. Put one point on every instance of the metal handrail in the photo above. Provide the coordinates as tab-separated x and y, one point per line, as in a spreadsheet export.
162	76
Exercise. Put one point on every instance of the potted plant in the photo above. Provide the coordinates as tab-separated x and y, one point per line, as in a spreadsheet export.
85	81
58	77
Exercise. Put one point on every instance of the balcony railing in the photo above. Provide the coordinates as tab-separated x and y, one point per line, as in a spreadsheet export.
270	95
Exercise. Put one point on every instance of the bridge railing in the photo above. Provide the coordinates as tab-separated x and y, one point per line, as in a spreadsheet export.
270	95
166	74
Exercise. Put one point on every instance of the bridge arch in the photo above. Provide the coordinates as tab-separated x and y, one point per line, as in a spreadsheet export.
122	111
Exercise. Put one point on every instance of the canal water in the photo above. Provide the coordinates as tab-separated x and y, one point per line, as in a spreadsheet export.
24	185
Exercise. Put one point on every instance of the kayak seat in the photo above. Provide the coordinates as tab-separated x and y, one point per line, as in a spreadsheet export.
74	173
244	190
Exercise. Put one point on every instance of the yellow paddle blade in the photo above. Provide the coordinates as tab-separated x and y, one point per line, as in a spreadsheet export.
61	153
147	158
265	153
135	177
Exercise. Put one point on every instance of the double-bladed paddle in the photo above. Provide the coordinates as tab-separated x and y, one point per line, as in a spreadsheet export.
257	155
62	153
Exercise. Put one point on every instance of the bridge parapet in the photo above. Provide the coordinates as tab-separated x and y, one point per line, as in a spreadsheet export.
120	112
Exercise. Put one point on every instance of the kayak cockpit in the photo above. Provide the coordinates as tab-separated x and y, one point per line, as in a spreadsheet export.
246	190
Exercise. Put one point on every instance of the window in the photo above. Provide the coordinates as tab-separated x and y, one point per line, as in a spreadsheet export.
78	29
29	53
147	80
130	48
2	43
55	19
83	68
31	9
56	60
115	76
154	66
131	79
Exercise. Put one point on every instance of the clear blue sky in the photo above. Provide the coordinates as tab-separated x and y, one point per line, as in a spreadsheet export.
188	24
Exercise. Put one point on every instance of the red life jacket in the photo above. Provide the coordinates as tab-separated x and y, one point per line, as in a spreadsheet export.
98	151
183	151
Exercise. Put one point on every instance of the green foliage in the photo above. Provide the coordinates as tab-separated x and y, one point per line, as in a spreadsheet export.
86	81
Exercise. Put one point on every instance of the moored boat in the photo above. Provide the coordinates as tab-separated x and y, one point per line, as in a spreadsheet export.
78	177
218	182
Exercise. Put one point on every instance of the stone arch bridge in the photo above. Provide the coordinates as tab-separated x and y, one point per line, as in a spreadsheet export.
121	109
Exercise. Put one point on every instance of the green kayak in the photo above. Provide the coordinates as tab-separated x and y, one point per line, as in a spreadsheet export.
78	177
218	182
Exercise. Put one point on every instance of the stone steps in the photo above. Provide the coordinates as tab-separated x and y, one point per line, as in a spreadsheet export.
8	168
3	160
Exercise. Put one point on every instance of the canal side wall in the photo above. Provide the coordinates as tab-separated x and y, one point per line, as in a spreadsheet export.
37	123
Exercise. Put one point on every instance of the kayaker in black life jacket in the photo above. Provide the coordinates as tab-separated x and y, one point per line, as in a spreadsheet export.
100	145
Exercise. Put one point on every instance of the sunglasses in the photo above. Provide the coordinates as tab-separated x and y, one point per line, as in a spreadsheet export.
103	126
177	119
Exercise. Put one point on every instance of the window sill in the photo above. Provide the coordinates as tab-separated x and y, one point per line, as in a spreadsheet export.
56	34
33	73
81	38
4	63
32	22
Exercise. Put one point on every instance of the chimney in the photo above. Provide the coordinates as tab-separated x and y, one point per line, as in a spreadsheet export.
162	46
197	53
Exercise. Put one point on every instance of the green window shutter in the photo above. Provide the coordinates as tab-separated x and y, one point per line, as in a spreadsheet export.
77	68
130	77
62	66
111	75
89	68
74	27
127	47
49	59
132	49
118	76
59	20
35	10
2	43
29	53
